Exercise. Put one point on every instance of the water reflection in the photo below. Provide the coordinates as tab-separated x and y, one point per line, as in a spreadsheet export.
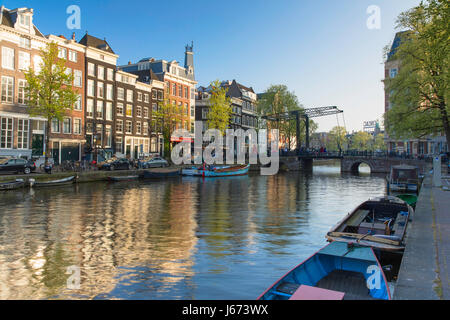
181	239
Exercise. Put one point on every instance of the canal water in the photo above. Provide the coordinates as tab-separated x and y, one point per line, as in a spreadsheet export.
186	238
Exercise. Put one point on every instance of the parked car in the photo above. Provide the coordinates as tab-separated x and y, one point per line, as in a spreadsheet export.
17	165
117	164
156	162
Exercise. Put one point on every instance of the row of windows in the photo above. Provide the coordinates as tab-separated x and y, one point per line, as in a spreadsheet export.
99	134
7	92
178	90
72	56
102	72
7	133
24	61
68	125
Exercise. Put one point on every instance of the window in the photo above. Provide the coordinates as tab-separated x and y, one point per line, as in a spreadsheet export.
24	60
154	107
77	106
67	125
6	133
25	20
146	98
110	74
153	94
101	73
90	108
119	109
68	72
7	58
91	88
108	136
109	92
62	53
109	111
99	129
73	56
77	126
138	111
186	108
168	87
77	78
22	98
55	125
139	96
100	90
138	127
119	145
130	95
129	110
37	62
145	128
145	112
119	125
192	112
89	128
22	134
186	92
129	127
99	112
393	73
91	69
180	91
7	89
120	93
205	113
174	89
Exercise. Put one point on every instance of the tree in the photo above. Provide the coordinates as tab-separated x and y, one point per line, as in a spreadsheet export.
337	139
50	92
379	143
168	118
362	141
219	108
276	100
419	94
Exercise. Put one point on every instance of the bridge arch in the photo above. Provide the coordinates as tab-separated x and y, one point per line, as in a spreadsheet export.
354	167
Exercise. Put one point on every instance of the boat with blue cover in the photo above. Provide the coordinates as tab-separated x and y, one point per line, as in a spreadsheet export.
339	271
404	178
217	171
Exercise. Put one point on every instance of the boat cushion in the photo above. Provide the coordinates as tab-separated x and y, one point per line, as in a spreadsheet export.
312	293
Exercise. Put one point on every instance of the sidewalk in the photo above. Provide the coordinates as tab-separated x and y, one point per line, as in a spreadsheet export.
424	273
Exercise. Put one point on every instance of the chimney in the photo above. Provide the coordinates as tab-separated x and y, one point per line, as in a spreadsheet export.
73	36
129	62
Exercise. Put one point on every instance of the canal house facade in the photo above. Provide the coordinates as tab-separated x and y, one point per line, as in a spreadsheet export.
20	134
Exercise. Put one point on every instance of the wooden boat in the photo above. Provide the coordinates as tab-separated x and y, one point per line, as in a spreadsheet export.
226	171
404	178
379	223
19	183
53	183
161	173
339	271
123	178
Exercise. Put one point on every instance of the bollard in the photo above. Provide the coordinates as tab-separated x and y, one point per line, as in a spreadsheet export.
437	177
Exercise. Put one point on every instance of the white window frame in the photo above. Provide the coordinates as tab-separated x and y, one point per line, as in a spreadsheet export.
62	53
8	133
119	123
64	125
109	111
91	69
91	88
78	78
77	132
8	61
23	135
9	97
90	108
73	56
21	95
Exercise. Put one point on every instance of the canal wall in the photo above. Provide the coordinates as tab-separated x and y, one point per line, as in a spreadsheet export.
423	273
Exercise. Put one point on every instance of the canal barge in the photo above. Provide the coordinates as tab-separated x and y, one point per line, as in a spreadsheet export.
123	178
339	271
161	173
404	179
380	223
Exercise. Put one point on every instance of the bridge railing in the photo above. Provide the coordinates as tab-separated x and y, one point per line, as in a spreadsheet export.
354	153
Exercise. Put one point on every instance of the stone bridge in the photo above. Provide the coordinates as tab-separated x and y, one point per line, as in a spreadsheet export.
378	165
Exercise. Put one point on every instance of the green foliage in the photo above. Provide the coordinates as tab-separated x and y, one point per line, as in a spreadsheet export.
337	139
419	94
50	93
219	108
362	140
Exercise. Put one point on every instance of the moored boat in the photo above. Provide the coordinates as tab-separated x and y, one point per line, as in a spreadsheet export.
379	223
339	271
404	178
410	199
161	173
214	171
13	185
123	178
53	183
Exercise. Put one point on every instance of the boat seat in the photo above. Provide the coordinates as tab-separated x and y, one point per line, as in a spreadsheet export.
305	292
376	228
288	287
352	283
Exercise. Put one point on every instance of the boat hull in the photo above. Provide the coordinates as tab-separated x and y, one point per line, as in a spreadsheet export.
11	185
123	178
339	270
220	172
161	173
54	183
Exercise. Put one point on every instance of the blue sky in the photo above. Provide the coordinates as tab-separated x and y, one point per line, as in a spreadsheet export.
321	49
